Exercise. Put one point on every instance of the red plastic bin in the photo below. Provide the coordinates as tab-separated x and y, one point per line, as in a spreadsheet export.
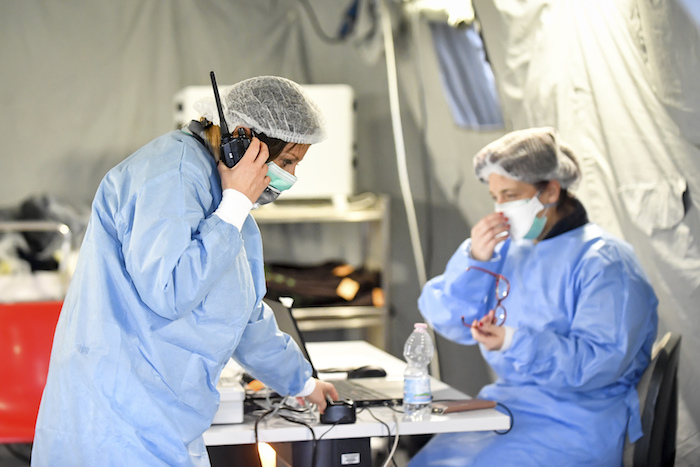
26	336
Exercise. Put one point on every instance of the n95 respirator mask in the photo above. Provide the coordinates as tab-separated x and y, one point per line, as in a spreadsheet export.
522	217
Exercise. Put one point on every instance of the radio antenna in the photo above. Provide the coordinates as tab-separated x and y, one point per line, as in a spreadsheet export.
222	121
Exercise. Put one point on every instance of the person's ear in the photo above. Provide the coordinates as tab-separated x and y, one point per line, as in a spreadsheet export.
551	192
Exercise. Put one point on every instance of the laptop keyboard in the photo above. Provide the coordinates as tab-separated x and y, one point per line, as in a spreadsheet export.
348	390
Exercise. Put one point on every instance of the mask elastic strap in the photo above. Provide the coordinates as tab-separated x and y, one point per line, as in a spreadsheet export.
545	206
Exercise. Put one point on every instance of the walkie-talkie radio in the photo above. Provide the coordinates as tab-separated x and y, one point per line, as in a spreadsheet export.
232	148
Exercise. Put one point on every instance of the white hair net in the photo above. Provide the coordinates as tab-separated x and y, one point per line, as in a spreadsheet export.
531	156
272	105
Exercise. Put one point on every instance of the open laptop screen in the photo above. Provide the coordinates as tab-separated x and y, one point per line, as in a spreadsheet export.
288	325
366	392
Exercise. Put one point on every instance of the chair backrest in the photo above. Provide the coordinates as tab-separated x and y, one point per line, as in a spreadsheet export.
658	405
26	336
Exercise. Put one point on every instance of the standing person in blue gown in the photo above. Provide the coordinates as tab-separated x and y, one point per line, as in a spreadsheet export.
561	311
169	286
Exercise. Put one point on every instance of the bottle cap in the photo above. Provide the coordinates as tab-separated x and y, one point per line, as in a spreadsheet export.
420	326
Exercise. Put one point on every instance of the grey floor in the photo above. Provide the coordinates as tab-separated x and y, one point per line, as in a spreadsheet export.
687	441
8	459
687	455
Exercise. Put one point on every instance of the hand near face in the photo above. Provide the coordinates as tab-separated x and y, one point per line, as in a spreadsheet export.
486	332
486	234
249	175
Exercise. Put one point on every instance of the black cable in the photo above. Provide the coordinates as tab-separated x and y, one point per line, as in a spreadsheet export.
372	14
298	422
511	419
293	420
393	407
332	426
317	25
257	420
313	436
388	430
343	419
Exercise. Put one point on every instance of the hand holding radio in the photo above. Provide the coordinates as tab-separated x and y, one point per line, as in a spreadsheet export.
249	175
241	159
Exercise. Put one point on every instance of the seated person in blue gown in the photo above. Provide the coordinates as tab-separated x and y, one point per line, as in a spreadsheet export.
169	286
561	311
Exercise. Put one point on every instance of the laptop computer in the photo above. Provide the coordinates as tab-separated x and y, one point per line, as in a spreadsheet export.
365	392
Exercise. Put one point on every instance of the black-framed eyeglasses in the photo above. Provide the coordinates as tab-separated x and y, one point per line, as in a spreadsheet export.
502	290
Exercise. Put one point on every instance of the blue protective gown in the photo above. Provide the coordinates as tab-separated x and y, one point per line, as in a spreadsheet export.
163	295
585	320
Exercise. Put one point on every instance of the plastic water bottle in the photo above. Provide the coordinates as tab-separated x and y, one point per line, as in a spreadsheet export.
418	351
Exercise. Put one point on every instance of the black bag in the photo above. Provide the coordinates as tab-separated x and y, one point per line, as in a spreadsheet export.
333	283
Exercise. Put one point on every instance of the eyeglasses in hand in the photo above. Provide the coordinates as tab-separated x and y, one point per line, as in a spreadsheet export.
502	290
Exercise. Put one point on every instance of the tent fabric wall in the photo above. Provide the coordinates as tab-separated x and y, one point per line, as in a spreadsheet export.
613	77
84	84
669	37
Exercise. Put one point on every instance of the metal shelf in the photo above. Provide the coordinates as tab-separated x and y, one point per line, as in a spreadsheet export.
370	209
338	312
372	319
318	211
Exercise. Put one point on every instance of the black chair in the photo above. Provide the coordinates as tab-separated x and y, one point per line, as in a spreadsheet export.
658	405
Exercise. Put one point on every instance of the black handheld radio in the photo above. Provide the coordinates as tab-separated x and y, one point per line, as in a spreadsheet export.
232	148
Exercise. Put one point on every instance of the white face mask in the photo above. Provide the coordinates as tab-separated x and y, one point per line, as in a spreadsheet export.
522	217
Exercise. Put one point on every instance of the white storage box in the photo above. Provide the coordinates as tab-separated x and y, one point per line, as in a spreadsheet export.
232	399
328	169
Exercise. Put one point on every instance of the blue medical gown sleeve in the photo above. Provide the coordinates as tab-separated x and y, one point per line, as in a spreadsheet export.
174	249
611	331
458	292
276	360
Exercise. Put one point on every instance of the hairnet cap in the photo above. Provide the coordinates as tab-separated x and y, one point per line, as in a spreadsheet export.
275	106
532	155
